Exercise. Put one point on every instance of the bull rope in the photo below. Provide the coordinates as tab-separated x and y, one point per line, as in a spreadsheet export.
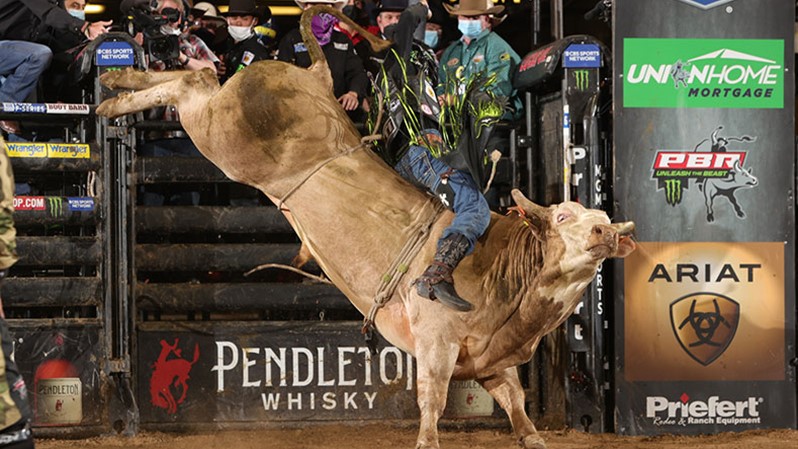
390	280
323	163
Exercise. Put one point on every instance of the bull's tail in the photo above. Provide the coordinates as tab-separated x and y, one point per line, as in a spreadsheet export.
317	59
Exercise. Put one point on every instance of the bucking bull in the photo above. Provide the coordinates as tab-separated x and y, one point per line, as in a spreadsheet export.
277	127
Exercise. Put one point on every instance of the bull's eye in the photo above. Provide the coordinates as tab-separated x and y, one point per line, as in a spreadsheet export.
562	217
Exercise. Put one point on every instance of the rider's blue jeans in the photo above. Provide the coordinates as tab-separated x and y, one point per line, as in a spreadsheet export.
472	214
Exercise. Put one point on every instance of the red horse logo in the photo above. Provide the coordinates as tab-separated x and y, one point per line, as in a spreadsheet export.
168	373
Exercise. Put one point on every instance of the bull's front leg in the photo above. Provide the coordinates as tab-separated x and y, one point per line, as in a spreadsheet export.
195	87
436	360
130	78
506	389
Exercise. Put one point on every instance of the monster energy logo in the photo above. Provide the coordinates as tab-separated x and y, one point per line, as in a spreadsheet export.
673	191
55	206
581	78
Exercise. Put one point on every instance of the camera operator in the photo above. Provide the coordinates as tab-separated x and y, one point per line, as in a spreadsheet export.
194	54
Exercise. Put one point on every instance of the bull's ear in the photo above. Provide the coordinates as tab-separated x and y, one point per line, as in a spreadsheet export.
625	247
625	243
538	215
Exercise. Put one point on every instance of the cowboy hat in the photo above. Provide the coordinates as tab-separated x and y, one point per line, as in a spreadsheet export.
473	8
242	8
205	10
337	4
391	6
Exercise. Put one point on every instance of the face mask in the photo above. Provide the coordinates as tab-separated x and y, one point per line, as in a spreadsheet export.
239	33
322	27
470	28
351	11
431	38
389	31
77	13
169	31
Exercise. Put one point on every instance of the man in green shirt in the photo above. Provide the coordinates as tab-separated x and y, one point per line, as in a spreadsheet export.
479	50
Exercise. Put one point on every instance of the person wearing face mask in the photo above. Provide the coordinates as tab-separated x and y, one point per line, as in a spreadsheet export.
26	29
350	83
208	26
242	17
478	51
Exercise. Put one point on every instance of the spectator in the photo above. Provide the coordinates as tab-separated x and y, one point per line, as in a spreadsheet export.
478	51
15	420
413	147
265	30
350	83
21	63
194	54
33	21
481	53
66	46
208	26
242	17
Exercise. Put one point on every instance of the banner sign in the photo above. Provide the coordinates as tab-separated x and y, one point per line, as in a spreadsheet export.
271	371
582	56
48	150
114	53
46	108
705	167
703	73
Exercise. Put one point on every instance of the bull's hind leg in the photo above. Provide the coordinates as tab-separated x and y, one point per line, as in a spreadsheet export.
188	86
506	389
436	360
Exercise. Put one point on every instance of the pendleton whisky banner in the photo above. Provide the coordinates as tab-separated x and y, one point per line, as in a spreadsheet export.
705	166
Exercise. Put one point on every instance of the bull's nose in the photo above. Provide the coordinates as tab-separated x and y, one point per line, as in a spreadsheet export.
604	232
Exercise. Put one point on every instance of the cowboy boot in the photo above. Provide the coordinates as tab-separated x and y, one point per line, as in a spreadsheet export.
436	282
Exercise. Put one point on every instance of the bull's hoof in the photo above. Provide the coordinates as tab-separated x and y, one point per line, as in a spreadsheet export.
427	446
532	442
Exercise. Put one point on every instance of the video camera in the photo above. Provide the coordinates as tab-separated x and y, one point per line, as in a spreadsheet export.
143	17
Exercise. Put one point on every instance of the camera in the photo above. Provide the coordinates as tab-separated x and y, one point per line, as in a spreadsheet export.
144	18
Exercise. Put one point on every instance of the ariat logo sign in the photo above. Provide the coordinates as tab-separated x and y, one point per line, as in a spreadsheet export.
55	206
705	324
713	165
706	4
703	73
581	78
687	411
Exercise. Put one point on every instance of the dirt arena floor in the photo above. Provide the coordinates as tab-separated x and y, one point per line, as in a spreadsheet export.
376	436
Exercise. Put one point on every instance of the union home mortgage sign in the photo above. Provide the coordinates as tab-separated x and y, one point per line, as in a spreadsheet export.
234	372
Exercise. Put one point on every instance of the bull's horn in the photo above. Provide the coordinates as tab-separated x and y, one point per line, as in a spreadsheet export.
625	228
532	210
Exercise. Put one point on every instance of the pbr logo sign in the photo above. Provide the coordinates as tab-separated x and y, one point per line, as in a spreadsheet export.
717	170
703	73
706	4
705	324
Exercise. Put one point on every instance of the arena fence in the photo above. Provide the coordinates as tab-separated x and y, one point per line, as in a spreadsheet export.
132	312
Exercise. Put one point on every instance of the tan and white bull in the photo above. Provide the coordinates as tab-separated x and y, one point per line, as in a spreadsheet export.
277	127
